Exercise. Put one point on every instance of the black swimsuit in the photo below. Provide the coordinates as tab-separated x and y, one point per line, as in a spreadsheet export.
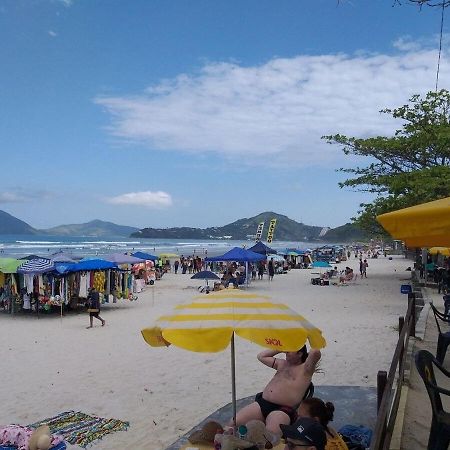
267	407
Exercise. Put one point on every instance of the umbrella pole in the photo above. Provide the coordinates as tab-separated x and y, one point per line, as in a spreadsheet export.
233	379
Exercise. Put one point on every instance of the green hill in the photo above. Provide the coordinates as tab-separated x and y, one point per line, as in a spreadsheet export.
242	229
345	233
94	228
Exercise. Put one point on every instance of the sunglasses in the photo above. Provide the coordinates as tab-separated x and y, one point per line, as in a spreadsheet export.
292	446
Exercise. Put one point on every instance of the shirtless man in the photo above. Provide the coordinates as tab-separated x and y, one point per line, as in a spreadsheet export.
278	402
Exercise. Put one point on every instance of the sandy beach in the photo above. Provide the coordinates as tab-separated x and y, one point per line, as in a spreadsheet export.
52	365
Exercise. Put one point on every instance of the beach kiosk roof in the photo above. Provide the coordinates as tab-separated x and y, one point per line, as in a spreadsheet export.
424	225
89	264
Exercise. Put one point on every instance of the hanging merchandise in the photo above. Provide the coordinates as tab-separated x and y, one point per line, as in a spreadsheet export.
99	281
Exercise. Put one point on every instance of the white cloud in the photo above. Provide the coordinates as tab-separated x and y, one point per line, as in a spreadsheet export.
275	113
52	33
149	199
20	196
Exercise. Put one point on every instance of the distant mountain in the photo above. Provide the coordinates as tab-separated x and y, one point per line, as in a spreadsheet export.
286	230
94	228
11	225
345	233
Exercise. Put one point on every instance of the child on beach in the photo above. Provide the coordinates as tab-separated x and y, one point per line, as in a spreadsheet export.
316	409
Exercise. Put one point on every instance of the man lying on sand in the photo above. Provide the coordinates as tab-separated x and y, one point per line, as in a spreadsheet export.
278	402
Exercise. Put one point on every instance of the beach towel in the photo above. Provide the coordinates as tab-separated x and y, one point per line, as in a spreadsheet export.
82	429
357	435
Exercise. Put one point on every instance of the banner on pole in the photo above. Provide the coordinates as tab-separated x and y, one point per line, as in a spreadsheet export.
259	231
272	224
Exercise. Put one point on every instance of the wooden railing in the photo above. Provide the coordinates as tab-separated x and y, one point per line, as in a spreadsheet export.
389	385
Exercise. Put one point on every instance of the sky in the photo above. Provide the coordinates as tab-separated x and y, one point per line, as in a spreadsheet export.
156	113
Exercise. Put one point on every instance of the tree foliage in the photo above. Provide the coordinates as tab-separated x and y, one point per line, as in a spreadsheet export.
409	168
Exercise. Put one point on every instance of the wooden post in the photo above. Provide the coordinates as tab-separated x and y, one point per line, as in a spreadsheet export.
401	324
381	385
412	299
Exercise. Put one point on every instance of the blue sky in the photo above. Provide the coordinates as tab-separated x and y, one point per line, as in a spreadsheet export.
198	113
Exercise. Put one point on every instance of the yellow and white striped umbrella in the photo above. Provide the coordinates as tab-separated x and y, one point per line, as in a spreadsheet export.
208	324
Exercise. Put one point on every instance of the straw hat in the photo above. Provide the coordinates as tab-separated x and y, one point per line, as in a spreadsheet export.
40	439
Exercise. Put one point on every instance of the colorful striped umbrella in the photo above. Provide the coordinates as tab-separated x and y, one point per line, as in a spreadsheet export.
37	265
210	322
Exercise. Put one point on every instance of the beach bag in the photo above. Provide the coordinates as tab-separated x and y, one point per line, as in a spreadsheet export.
356	437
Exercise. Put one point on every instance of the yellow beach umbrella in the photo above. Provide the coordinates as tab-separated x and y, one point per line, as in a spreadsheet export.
441	250
209	323
424	225
169	256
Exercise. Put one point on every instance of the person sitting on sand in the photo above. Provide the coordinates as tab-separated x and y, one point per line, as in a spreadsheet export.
277	404
317	409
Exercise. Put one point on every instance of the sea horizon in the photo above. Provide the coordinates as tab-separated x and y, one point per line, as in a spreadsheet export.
18	246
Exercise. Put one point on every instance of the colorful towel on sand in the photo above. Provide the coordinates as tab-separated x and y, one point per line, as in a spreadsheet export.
81	429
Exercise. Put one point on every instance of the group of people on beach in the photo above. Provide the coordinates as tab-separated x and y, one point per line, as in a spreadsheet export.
284	405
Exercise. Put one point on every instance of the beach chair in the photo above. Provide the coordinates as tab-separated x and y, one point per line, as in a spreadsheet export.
444	338
440	424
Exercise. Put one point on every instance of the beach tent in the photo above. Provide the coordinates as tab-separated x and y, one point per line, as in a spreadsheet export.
210	322
241	255
122	258
424	225
238	254
262	248
146	256
36	266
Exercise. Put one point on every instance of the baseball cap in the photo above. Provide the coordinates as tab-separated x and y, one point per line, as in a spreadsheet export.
306	429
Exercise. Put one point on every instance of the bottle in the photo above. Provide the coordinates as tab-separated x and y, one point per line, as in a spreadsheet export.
242	432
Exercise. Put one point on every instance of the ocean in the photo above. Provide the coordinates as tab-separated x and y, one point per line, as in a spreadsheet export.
18	246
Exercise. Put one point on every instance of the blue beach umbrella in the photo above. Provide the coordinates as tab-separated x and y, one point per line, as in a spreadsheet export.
146	256
205	275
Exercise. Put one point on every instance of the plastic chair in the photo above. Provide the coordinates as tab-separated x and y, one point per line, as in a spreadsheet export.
440	425
444	338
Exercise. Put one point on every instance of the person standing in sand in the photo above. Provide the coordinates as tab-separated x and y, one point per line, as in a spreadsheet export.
94	307
277	404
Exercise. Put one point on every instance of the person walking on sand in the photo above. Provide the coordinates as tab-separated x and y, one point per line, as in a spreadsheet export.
277	404
94	307
365	265
271	269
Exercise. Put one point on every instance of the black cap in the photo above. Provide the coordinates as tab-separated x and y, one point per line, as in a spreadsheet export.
306	429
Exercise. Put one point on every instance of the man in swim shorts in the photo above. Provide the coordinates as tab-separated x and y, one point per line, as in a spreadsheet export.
278	402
